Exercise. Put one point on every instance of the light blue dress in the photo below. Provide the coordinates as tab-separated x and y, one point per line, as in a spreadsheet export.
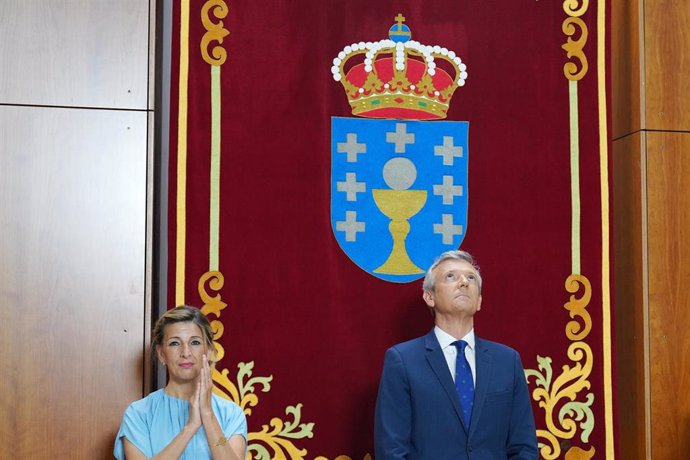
151	423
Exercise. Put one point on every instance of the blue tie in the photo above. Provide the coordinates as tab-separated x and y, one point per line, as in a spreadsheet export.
463	381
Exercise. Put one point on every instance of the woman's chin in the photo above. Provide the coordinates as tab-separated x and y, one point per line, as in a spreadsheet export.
186	376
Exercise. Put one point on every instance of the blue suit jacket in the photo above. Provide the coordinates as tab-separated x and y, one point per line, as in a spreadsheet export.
418	414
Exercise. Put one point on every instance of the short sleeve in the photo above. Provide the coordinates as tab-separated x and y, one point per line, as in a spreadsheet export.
135	429
232	418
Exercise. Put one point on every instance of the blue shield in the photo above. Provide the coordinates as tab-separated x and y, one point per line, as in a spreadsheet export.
398	192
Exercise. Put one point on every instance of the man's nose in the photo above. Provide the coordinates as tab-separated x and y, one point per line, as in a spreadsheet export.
464	281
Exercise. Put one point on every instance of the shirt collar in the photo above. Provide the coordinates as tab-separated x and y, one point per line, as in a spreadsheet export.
445	339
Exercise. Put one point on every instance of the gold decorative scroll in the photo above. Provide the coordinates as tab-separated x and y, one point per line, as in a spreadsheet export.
215	32
566	400
574	47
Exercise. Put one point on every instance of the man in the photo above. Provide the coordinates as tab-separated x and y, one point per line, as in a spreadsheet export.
437	403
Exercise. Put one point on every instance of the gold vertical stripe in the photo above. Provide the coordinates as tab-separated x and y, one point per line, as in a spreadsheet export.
605	228
181	228
214	211
574	176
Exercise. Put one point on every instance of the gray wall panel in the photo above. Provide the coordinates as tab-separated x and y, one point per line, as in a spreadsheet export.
74	53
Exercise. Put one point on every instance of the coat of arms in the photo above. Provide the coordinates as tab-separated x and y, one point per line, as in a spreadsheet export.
398	174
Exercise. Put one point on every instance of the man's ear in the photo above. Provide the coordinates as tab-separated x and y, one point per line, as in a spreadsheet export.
428	297
479	305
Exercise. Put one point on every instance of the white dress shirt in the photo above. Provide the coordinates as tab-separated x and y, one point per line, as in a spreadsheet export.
450	352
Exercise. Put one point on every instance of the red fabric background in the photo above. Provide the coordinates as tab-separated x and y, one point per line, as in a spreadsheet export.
298	307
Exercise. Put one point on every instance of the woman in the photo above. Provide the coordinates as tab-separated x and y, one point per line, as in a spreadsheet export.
184	420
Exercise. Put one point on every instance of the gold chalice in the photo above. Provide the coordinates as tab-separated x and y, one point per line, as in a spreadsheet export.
399	206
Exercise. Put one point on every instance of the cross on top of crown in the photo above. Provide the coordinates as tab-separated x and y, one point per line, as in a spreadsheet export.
399	32
400	19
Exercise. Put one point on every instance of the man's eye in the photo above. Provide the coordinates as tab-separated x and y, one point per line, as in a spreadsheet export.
471	277
451	276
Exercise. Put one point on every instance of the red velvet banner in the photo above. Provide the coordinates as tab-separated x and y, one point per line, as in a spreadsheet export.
301	320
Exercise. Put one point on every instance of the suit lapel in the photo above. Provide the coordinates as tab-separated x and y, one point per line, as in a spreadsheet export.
437	361
484	369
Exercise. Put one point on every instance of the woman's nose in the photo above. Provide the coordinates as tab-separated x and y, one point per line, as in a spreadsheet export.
185	350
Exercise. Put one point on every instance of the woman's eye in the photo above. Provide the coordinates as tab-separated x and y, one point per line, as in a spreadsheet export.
196	342
173	344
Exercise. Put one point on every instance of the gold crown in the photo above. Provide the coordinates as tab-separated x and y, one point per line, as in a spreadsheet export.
399	77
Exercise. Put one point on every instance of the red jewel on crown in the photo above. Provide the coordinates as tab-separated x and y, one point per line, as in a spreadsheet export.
399	77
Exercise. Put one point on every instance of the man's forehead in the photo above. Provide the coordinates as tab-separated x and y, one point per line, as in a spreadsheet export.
456	265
